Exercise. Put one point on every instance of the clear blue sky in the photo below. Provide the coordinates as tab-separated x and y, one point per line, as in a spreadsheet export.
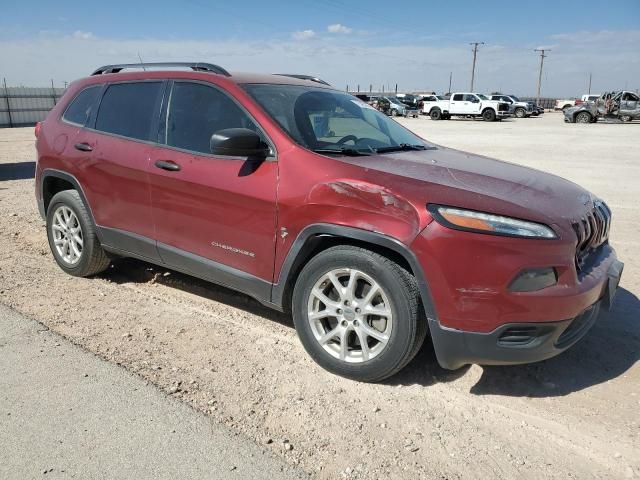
413	43
258	19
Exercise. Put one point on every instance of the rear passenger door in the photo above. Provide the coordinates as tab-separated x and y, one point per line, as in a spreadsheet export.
120	139
211	212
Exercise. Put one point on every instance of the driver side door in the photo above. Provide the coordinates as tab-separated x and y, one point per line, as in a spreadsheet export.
214	216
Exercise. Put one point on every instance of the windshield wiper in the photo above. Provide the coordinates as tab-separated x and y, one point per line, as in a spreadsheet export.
403	147
352	152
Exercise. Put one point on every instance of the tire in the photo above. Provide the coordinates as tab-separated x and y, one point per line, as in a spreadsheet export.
435	114
520	113
583	117
404	328
394	112
92	258
488	115
625	118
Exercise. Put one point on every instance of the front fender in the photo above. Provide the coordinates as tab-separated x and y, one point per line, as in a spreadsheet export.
366	206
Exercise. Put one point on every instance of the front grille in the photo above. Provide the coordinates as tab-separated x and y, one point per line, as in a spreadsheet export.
503	107
592	231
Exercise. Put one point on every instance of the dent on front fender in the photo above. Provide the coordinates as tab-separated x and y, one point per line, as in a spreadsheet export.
376	208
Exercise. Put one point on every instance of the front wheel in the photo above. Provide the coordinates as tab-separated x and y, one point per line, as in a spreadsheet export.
583	117
488	115
625	118
520	112
358	314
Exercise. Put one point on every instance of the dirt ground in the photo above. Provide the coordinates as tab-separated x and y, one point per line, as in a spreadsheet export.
574	416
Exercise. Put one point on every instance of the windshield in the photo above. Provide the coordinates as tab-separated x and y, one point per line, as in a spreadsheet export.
514	98
482	97
331	121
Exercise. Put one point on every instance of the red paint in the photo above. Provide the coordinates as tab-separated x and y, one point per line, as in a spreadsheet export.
208	201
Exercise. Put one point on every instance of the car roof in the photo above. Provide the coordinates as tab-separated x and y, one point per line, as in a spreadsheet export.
113	73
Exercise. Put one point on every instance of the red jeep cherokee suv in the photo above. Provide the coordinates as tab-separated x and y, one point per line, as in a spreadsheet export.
312	202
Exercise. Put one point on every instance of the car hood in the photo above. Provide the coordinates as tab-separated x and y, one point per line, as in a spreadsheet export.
586	106
452	177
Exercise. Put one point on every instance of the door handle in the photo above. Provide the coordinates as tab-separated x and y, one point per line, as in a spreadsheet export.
167	165
83	147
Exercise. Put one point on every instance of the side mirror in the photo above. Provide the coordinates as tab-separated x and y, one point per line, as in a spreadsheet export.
238	142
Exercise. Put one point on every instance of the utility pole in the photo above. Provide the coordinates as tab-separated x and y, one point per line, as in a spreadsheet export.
450	75
473	68
542	57
589	91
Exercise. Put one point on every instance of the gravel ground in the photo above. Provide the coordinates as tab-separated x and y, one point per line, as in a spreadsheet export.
225	355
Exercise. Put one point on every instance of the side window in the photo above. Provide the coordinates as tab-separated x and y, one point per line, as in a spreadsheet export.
127	109
197	111
470	98
80	107
457	97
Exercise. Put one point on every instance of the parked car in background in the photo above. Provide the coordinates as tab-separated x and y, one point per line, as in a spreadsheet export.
409	100
517	107
564	103
586	98
394	107
470	105
429	101
623	105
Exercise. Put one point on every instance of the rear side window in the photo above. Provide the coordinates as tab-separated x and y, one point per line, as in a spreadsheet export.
128	109
197	111
457	97
80	107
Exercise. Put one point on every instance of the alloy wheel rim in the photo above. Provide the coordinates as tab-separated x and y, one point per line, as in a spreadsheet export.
67	235
350	315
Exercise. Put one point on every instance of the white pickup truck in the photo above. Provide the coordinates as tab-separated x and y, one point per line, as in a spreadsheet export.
469	105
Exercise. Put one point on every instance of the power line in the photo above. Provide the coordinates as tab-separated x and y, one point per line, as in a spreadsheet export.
542	57
473	68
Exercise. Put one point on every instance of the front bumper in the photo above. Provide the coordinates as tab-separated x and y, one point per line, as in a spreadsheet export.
472	307
517	343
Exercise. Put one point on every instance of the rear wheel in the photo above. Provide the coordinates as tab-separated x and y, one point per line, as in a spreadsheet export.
72	236
625	118
358	314
489	115
435	114
583	117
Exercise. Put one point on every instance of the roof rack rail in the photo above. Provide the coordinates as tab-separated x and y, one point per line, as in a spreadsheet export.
303	77
197	66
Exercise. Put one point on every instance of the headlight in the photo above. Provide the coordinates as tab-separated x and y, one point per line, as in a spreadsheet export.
481	222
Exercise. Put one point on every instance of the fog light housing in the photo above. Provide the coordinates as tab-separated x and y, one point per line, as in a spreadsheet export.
533	279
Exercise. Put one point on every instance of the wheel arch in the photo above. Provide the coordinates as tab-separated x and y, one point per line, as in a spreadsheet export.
318	237
54	181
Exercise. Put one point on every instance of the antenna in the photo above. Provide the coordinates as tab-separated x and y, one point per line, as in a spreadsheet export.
141	62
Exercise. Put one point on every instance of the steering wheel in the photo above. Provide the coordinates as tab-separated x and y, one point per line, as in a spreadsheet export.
346	139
